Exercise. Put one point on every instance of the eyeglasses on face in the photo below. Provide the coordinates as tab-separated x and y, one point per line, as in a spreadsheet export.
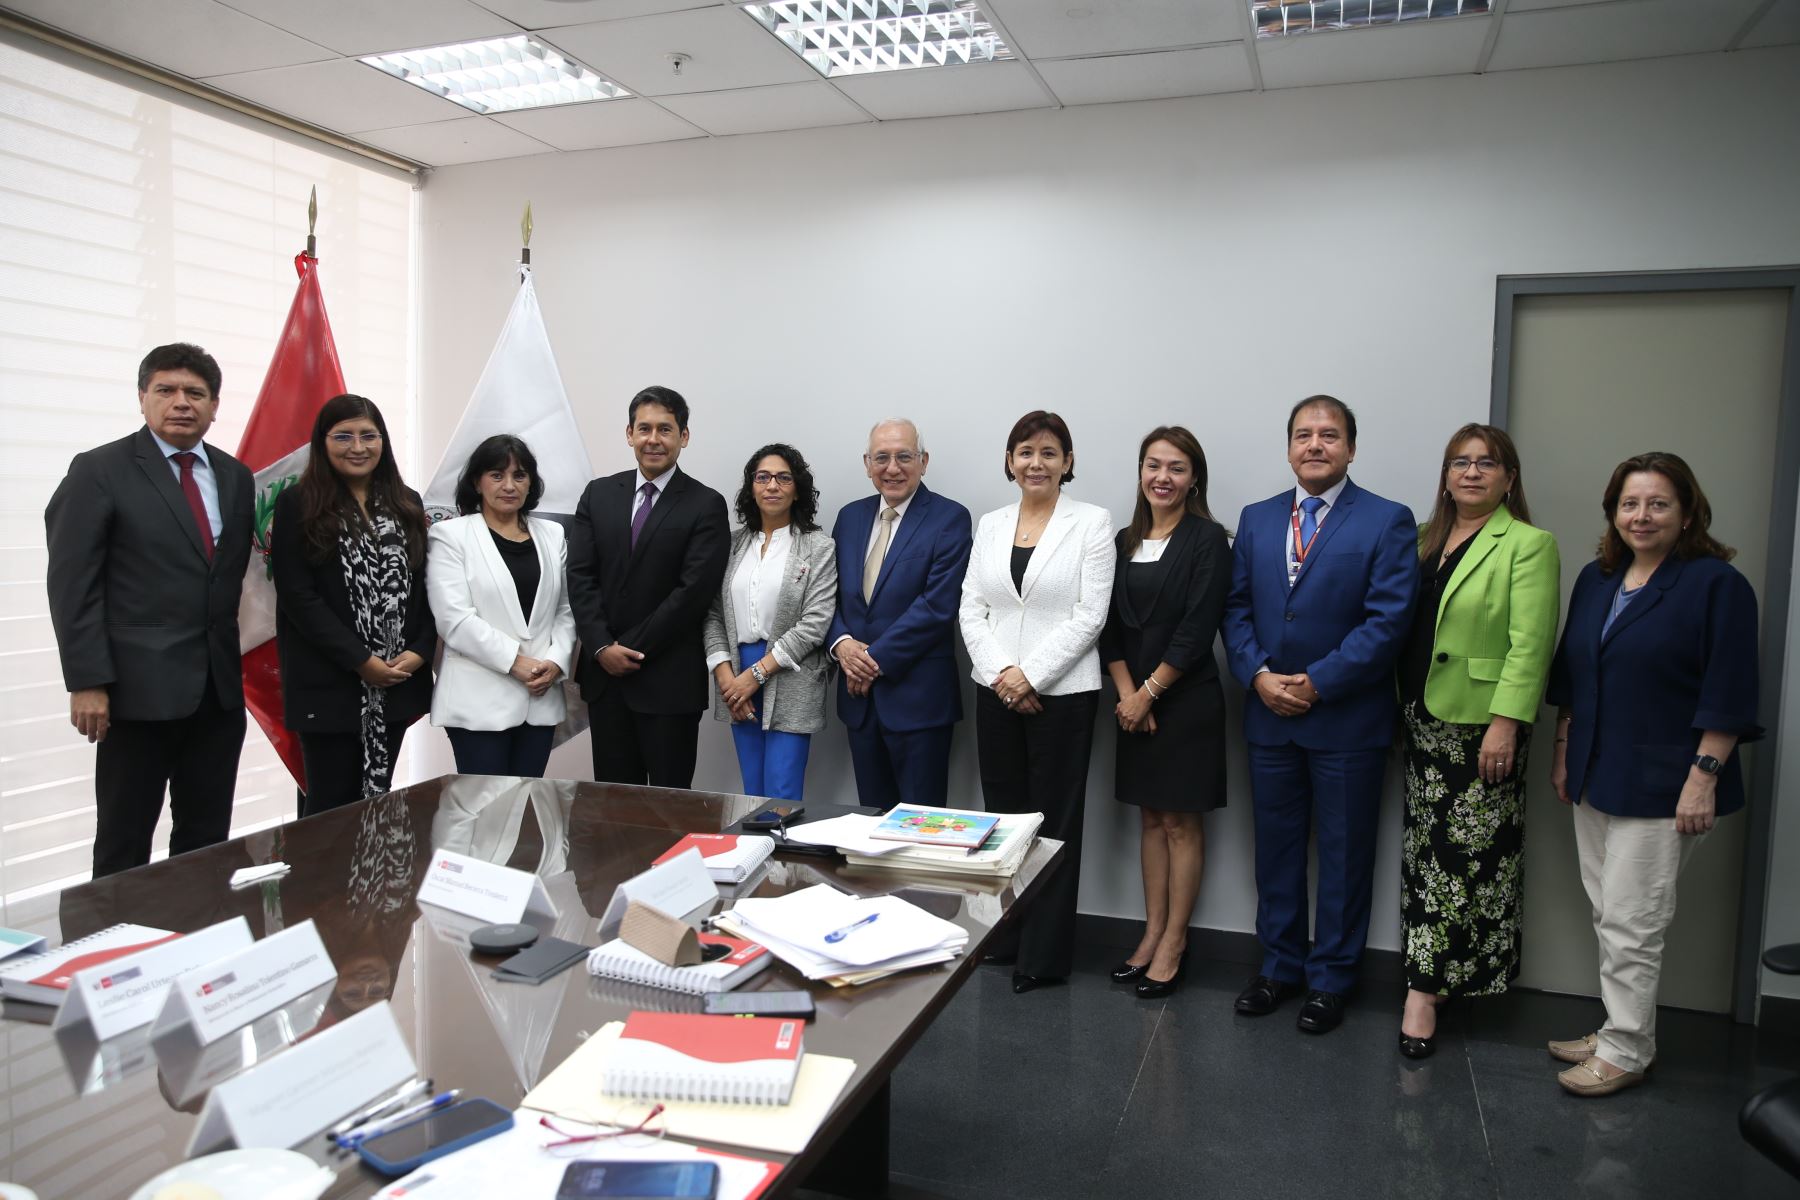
904	458
764	479
344	441
1482	466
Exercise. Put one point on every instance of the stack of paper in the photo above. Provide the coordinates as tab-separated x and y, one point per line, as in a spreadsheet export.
843	939
1000	855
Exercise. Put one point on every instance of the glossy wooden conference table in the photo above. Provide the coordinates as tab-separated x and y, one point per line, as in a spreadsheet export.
94	1121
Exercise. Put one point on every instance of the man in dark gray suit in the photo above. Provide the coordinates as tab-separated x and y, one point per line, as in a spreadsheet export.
149	537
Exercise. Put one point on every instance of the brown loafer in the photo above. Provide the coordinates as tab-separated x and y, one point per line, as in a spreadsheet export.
1585	1079
1576	1050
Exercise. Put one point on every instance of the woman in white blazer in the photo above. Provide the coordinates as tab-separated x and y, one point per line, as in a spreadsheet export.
498	590
1033	604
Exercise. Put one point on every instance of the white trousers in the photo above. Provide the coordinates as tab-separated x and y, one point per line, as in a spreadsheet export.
1629	866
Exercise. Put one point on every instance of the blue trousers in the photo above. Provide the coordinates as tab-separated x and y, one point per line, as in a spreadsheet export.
1335	794
773	763
523	750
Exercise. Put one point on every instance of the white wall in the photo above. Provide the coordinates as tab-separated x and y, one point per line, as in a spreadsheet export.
1207	261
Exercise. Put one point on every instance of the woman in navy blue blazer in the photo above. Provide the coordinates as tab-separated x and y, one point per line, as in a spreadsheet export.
1655	686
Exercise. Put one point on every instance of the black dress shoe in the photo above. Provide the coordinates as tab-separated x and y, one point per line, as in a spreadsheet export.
1418	1047
1031	983
1152	988
1125	972
1264	996
1322	1012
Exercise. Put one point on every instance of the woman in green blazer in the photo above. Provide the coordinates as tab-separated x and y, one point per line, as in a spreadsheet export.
1471	676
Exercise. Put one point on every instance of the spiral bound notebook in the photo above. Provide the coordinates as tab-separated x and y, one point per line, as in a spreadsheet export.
619	959
44	978
682	1056
729	857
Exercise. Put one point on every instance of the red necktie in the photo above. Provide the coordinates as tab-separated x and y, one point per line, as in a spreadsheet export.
186	459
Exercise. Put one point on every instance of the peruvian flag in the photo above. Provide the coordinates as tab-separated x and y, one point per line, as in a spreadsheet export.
302	376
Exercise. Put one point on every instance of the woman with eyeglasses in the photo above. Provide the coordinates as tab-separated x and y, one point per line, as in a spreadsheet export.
352	624
1472	675
499	592
765	633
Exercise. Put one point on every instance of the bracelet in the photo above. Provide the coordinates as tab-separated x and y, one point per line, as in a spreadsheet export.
1560	741
757	673
1155	689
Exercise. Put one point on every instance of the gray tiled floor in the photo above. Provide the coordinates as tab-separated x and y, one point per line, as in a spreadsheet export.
1086	1091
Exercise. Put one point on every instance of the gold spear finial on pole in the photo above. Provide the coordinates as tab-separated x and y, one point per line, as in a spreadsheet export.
525	236
312	223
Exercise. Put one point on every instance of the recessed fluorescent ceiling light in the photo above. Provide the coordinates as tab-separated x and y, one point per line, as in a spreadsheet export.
1273	18
857	37
498	75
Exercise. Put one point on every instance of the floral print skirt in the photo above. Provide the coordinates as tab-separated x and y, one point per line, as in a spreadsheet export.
1462	860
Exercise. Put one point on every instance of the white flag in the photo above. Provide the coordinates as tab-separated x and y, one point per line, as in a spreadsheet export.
520	392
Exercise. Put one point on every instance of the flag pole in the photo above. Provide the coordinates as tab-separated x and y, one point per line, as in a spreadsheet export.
525	237
312	223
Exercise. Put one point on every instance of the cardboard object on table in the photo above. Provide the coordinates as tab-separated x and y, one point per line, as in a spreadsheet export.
664	938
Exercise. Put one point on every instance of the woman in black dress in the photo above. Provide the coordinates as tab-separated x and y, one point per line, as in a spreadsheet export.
1169	590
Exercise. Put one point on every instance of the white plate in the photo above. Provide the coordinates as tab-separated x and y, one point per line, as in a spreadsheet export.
248	1175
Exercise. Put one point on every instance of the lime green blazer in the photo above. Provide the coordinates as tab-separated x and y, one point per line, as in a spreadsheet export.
1496	626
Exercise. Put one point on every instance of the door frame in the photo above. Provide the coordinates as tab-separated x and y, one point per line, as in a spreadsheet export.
1777	587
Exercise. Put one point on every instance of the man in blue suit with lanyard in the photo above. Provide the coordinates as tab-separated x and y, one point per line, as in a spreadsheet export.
1323	581
901	557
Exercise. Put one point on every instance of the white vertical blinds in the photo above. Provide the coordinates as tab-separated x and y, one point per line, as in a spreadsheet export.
126	222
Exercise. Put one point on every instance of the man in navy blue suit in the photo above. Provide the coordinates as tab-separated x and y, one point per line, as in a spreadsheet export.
901	557
1323	582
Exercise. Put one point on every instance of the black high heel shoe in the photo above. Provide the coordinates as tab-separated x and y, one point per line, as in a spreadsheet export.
1159	989
1418	1047
1125	972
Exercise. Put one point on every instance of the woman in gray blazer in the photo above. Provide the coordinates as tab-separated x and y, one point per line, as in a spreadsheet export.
765	634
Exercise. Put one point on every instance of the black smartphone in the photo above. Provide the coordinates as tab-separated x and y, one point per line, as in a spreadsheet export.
686	1180
404	1150
774	816
759	1004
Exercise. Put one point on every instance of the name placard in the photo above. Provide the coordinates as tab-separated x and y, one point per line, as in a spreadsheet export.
677	888
493	894
294	1095
231	991
128	992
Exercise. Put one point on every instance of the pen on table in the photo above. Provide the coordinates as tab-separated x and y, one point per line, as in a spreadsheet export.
373	1129
376	1109
838	935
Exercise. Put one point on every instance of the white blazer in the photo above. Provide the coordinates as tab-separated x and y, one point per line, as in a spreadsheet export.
1048	627
476	606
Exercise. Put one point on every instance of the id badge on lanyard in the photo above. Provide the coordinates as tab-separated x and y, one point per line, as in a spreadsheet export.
1297	549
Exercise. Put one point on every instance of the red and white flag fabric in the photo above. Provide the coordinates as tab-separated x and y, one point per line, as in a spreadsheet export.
303	375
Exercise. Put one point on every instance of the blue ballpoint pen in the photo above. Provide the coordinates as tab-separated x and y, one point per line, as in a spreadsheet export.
838	935
374	1129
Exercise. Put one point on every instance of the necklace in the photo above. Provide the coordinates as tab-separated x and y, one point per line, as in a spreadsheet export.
1024	536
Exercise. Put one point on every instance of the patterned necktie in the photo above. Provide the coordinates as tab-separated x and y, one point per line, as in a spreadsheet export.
877	552
648	492
191	490
1309	522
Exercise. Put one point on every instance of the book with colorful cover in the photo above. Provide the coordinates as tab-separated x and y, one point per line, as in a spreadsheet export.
730	857
17	941
44	978
949	827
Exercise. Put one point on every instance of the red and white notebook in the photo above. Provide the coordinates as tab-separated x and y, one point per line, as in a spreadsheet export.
44	978
688	1056
730	857
619	959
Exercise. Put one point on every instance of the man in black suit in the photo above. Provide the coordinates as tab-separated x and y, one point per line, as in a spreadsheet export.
148	540
646	557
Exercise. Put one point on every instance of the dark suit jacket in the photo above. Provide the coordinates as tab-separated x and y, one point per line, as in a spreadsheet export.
137	608
652	599
315	634
1342	623
1680	659
1182	621
909	621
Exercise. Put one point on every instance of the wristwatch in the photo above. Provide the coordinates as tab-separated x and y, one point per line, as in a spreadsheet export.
761	676
1708	763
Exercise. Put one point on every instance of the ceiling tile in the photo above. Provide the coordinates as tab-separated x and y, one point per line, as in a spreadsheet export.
602	123
546	14
190	37
1613	32
726	49
472	139
946	91
361	27
343	94
761	110
1780	26
1407	51
1061	28
1155	76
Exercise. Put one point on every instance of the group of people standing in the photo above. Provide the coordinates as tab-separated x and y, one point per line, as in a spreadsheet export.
1341	618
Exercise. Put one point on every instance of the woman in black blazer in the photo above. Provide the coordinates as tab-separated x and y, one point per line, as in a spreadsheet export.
352	624
1168	597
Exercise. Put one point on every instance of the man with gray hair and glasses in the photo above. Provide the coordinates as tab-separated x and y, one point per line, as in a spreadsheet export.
901	557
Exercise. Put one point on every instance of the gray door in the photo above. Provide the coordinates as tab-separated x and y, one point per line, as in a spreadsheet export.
1596	378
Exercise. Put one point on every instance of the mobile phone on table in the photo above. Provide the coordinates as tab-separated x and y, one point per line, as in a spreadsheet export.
774	816
404	1150
759	1004
685	1180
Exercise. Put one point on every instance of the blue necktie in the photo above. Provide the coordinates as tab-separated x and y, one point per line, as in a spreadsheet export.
1309	522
